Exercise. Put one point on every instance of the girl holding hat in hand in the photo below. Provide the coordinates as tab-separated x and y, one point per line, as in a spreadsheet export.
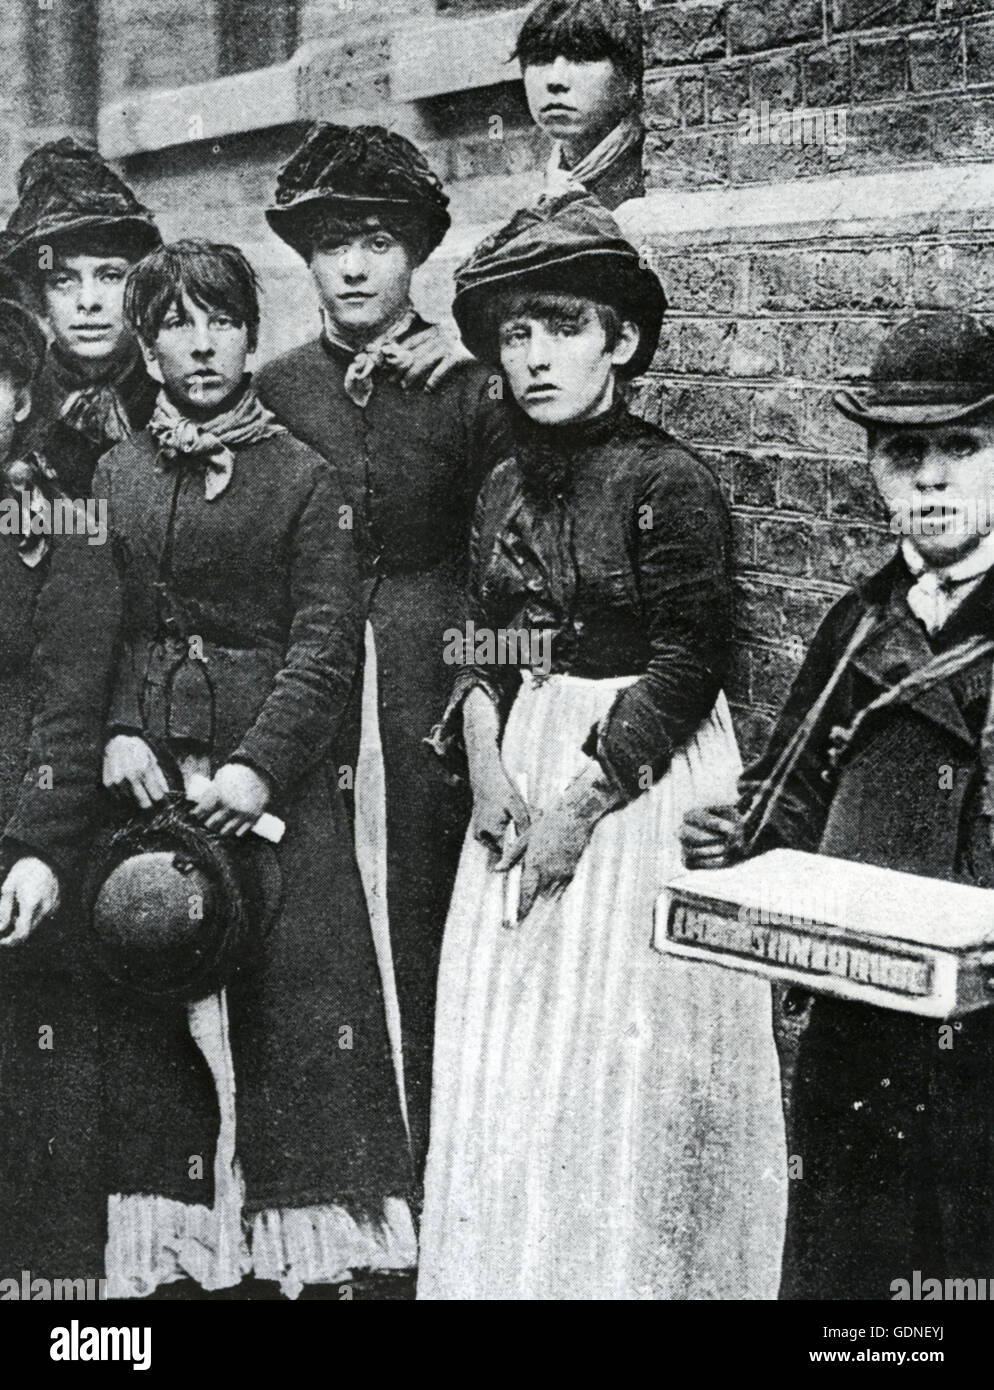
239	644
605	1122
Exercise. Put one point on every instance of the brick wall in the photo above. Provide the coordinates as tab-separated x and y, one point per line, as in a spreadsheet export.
768	318
783	264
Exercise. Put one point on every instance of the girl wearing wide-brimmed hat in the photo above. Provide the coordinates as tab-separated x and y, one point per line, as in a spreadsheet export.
362	206
606	1122
76	229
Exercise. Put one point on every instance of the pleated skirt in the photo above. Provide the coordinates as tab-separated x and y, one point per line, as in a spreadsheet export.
606	1120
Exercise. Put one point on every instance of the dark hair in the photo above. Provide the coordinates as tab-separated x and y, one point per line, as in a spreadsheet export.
214	275
551	307
334	228
22	345
584	31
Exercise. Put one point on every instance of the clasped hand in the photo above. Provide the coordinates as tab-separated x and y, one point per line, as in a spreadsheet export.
230	804
549	844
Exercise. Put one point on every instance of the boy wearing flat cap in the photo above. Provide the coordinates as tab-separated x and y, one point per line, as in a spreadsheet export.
76	229
894	715
363	208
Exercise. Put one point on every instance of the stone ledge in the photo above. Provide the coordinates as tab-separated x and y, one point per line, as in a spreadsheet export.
929	200
434	57
469	53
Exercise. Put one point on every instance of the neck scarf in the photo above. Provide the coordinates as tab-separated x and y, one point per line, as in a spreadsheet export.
559	179
936	592
213	441
382	351
97	409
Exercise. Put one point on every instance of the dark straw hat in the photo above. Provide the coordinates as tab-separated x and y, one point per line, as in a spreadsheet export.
349	170
22	343
569	245
175	911
64	188
930	370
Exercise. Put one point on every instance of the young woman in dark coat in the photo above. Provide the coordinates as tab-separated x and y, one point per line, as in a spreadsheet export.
240	643
604	1125
76	229
59	609
363	208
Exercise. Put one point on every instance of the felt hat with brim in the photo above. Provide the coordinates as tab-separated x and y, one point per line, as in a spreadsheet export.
65	189
931	369
22	343
356	171
173	911
570	245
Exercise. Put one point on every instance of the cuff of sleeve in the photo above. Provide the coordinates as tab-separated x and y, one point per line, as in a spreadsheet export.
620	749
13	846
252	756
446	737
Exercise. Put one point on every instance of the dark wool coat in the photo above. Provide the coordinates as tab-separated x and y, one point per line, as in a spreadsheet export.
896	1133
266	577
614	540
72	453
411	465
621	180
57	627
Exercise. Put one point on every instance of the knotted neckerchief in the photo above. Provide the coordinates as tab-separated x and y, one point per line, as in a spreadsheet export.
382	351
936	592
32	475
96	409
560	180
213	441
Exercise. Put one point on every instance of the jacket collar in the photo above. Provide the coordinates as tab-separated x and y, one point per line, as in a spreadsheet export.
899	644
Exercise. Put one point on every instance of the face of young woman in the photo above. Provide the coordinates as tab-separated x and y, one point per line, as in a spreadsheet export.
200	353
364	283
938	485
561	371
577	102
83	298
15	403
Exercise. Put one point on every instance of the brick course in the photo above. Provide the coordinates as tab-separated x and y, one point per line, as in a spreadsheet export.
764	323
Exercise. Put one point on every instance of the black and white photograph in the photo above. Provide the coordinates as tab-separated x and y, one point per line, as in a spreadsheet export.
496	654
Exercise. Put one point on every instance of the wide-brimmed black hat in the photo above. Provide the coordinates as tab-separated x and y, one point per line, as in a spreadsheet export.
344	170
22	343
174	911
568	245
929	370
65	188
